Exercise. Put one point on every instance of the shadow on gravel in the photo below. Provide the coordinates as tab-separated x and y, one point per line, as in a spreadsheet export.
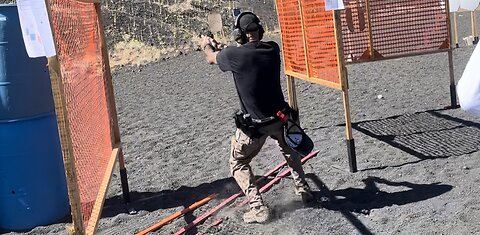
183	196
364	200
425	135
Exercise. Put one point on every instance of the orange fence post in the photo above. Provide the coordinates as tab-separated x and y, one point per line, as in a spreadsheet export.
115	130
63	123
455	27
453	90
342	73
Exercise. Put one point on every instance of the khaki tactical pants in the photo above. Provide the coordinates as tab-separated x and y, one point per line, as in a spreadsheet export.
243	150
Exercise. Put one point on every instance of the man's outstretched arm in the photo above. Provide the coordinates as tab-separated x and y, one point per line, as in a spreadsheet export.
209	50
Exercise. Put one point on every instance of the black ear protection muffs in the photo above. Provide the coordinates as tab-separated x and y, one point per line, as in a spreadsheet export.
239	34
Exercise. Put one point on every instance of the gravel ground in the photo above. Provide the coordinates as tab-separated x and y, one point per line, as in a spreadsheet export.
417	160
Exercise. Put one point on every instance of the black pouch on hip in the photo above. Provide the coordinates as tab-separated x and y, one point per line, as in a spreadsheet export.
244	122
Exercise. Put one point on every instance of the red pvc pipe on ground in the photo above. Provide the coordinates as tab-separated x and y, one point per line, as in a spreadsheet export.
212	211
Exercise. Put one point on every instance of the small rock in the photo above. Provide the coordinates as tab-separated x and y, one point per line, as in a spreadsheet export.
132	211
466	168
379	97
365	211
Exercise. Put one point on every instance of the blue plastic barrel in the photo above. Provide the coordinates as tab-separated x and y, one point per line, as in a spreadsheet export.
32	181
33	189
24	82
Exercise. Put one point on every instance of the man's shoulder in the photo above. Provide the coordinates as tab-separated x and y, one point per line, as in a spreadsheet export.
272	44
227	55
235	51
246	48
229	50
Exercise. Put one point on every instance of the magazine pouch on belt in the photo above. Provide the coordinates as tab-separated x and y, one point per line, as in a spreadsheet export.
245	123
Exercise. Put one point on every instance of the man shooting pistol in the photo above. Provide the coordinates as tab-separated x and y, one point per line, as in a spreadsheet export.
255	66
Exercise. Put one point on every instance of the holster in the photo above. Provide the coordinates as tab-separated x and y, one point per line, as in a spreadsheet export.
244	122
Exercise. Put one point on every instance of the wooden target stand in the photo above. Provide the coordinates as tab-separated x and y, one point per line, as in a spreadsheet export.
343	77
77	226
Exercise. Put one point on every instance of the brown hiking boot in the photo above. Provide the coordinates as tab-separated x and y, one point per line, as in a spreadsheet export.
305	192
258	214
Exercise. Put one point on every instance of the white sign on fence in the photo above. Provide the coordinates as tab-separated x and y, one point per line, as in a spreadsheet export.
36	31
463	5
334	5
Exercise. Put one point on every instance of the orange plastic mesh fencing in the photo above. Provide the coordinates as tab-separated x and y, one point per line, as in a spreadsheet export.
398	28
290	20
78	42
308	38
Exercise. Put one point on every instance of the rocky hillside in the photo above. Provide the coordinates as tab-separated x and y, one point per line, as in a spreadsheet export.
175	22
140	31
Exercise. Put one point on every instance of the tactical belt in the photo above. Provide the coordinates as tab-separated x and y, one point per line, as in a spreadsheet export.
264	121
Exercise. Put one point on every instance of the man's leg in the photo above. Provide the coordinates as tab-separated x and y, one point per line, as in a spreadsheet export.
294	162
243	150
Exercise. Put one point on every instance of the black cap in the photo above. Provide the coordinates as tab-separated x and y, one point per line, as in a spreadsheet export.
248	22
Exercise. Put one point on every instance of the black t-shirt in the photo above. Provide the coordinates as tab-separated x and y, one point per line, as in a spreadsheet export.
256	71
